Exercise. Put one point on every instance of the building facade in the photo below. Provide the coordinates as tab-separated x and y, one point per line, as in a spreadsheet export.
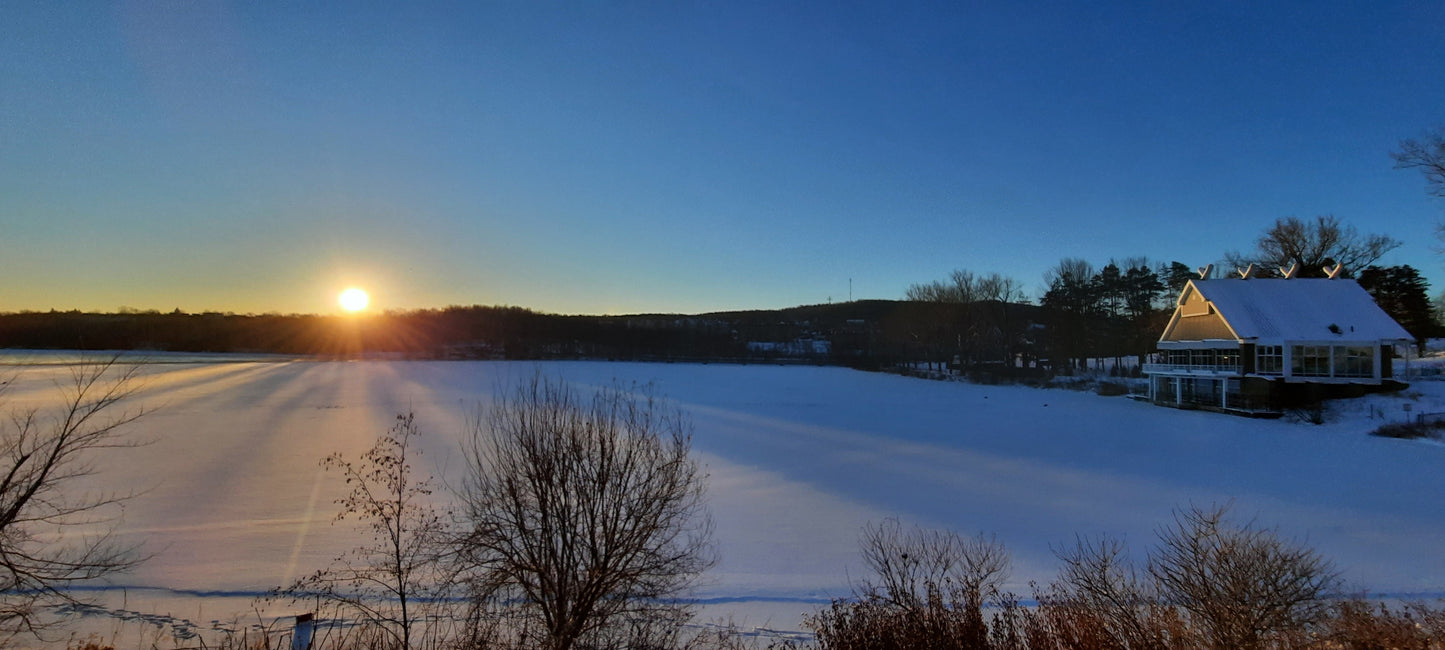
1259	345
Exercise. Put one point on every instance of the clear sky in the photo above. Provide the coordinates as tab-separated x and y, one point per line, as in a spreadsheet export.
618	157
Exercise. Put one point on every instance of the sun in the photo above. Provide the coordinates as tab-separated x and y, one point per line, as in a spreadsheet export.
353	299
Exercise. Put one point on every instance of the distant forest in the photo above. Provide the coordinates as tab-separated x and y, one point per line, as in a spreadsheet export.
865	333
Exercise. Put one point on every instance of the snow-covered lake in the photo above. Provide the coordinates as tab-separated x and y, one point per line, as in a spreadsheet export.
800	458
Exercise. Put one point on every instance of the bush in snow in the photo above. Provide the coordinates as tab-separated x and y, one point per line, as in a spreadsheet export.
1208	583
1411	430
1240	584
928	590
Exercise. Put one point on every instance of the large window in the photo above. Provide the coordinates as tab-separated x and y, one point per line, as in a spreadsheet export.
1201	391
1354	362
1269	359
1310	361
1201	359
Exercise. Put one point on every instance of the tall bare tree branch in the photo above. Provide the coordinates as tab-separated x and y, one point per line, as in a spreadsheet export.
1426	154
44	454
1313	245
591	510
399	578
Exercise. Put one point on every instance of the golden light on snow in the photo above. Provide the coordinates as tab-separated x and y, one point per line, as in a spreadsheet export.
353	299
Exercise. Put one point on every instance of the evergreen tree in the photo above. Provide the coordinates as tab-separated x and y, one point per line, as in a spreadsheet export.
1110	289
1175	276
1072	304
1404	295
1142	289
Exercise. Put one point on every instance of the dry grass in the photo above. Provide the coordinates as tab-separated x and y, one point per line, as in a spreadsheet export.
1068	624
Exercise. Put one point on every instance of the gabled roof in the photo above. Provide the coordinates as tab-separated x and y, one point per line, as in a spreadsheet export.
1299	309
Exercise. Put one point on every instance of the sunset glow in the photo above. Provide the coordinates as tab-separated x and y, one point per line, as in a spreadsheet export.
353	299
732	156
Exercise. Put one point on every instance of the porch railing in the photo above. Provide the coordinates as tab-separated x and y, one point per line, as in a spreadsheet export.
1217	369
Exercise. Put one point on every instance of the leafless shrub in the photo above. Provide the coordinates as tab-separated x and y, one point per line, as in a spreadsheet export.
1008	630
43	456
1099	593
1239	583
1059	622
392	583
927	591
1411	430
906	564
589	512
873	624
727	636
1356	623
1209	583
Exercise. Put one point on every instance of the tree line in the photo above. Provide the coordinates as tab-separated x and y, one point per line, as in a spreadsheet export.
1119	310
864	333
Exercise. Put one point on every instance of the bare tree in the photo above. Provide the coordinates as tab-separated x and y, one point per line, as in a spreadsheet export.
1238	582
966	315
1310	246
1097	577
1000	288
590	511
927	591
391	581
908	563
43	456
962	288
1426	154
999	331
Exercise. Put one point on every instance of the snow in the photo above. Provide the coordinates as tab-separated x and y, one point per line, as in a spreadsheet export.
1300	309
233	502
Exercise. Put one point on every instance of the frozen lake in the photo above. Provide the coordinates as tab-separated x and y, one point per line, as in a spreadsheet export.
800	458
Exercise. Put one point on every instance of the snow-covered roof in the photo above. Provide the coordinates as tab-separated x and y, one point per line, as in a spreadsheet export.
1298	309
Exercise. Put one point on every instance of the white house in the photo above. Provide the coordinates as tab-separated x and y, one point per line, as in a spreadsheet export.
1255	345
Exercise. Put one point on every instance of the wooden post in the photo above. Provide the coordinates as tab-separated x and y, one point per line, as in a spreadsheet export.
301	635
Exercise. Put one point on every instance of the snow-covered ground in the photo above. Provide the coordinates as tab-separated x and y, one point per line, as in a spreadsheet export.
233	500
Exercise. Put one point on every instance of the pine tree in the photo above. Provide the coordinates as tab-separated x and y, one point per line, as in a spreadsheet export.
1404	295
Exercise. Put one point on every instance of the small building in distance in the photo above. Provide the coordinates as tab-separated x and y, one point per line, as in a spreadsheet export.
1260	345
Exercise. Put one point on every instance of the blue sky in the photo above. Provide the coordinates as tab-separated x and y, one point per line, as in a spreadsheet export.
682	156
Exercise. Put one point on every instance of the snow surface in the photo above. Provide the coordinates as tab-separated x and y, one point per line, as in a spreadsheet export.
233	501
1299	309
